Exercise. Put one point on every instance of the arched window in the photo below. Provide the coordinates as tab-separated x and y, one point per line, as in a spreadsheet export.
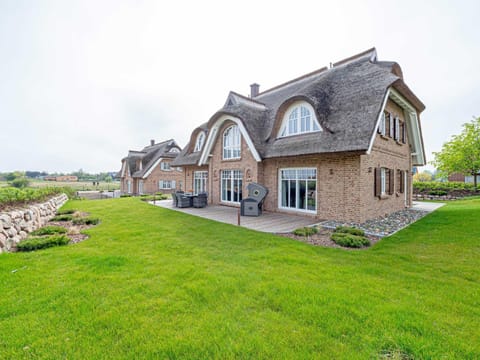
231	143
299	119
200	141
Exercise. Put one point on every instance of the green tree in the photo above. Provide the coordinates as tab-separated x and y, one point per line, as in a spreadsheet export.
423	176
462	153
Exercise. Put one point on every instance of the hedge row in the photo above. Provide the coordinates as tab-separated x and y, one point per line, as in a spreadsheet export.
10	196
426	186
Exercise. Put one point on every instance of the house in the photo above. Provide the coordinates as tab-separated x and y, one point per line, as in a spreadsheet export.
65	178
458	177
150	170
337	143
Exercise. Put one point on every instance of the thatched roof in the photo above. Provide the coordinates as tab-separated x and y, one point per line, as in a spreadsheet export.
149	156
347	99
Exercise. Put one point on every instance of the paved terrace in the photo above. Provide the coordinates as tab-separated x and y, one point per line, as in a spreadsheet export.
267	222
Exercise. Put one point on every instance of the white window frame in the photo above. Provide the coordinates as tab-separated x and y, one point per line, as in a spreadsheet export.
397	129
297	179
232	143
235	175
299	119
383	181
200	181
166	184
381	125
140	187
200	141
165	166
129	186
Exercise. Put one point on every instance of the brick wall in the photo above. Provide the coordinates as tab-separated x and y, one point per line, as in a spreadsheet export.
247	164
387	153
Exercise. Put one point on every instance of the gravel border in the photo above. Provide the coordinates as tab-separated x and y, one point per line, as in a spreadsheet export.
382	226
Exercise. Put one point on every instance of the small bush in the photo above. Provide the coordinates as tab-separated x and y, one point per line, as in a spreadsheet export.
305	231
49	230
350	230
66	217
153	197
125	195
66	212
20	183
42	242
86	221
349	240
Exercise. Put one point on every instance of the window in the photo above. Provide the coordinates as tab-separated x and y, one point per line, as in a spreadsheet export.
392	126
166	184
140	187
164	165
200	141
231	143
381	126
384	181
231	186
299	120
200	182
174	150
129	186
298	189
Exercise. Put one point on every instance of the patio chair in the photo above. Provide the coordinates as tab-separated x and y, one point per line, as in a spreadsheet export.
184	201
200	200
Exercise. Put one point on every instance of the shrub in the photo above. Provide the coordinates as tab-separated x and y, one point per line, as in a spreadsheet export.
49	230
305	231
153	197
20	183
350	240
350	230
86	221
42	242
66	217
125	195
437	192
66	212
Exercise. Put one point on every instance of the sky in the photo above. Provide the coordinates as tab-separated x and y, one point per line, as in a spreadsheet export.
82	82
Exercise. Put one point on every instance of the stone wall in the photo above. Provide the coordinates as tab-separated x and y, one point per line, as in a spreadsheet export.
15	225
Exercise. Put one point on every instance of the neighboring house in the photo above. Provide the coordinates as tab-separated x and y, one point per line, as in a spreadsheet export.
463	178
67	178
338	143
150	171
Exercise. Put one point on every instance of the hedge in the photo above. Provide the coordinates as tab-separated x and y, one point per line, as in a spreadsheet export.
10	196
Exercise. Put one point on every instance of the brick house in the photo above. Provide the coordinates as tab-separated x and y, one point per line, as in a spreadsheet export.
150	170
337	143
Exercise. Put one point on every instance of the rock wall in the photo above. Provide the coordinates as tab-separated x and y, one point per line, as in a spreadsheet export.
15	225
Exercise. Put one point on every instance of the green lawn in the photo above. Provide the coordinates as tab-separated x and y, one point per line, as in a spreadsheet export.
153	283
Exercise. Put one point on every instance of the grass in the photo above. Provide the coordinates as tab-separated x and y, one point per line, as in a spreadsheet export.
154	283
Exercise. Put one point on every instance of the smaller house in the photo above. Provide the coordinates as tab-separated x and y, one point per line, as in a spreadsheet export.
149	170
66	178
457	177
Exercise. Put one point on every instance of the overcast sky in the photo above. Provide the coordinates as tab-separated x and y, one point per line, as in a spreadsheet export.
82	82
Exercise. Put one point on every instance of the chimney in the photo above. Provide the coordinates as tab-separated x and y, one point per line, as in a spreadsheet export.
152	142
254	90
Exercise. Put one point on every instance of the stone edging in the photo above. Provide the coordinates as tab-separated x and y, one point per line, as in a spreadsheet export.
15	225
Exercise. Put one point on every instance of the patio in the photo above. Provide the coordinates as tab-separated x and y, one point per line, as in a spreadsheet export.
267	222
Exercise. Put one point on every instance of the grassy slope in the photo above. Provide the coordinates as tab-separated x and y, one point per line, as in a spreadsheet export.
153	283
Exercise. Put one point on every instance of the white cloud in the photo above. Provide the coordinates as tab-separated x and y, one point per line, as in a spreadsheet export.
81	82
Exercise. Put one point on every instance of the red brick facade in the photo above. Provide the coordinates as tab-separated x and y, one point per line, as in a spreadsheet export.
344	184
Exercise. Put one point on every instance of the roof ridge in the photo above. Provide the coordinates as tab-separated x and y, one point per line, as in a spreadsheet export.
246	98
356	56
316	72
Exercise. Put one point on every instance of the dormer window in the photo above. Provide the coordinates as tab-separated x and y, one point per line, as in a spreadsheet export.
174	150
231	143
200	141
299	119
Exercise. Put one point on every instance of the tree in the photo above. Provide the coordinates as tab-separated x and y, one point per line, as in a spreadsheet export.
462	153
423	176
